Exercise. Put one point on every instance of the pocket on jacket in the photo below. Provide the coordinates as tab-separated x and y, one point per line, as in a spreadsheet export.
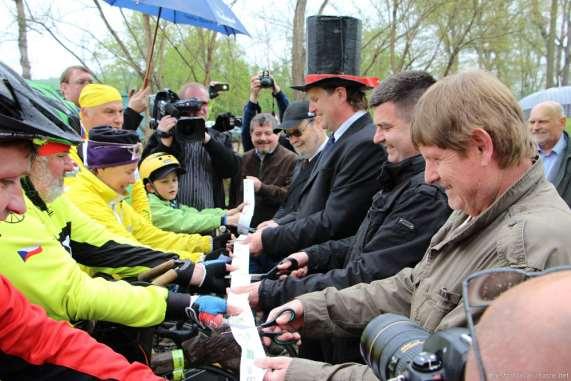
435	307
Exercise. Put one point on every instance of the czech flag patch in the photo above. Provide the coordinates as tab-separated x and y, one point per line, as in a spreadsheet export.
28	252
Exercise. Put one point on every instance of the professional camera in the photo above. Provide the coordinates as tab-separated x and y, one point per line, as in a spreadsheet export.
216	87
265	80
393	346
226	122
187	128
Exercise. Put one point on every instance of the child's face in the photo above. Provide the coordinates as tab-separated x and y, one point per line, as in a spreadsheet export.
167	187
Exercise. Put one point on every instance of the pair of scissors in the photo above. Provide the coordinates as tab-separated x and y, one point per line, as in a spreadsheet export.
272	274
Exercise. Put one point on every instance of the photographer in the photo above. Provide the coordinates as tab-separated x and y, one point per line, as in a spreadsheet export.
207	162
258	82
470	130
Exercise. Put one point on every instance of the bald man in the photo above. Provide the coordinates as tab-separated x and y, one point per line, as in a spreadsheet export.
524	334
547	126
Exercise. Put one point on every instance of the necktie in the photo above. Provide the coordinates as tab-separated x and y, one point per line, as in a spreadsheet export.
328	145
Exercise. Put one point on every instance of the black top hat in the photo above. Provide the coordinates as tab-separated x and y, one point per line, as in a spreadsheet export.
333	53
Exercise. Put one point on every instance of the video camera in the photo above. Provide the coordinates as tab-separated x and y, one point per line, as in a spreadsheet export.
188	128
394	347
226	122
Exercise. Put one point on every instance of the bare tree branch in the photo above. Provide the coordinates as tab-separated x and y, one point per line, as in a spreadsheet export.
122	46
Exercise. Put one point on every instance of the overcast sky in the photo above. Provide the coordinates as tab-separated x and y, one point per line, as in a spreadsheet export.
267	21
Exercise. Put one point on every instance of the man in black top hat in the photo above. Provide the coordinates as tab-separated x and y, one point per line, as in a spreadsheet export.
339	190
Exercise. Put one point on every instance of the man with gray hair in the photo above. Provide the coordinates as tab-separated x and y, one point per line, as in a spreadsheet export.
269	165
547	126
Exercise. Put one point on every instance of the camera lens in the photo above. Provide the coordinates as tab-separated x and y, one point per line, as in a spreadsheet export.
390	342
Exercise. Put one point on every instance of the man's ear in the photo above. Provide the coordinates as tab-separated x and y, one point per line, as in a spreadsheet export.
482	141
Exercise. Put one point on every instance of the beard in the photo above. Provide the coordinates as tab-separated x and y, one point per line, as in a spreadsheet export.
48	186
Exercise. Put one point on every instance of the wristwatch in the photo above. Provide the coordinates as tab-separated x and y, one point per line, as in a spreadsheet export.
163	134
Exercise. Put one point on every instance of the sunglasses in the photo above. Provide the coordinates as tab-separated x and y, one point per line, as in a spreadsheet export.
480	289
297	132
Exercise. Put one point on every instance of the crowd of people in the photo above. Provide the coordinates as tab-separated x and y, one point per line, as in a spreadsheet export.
359	213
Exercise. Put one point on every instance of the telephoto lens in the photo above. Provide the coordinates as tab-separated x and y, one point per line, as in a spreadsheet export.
390	342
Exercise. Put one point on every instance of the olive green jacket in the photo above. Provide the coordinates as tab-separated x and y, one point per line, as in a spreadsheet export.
527	227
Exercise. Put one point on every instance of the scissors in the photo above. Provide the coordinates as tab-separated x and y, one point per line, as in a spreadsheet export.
272	274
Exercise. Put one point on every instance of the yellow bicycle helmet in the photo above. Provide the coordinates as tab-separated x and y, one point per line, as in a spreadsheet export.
158	165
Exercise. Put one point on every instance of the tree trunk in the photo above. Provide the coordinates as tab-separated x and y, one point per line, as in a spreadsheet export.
550	45
565	70
23	40
298	47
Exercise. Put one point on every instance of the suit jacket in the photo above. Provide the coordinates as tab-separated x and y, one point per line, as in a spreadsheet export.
300	175
562	181
336	196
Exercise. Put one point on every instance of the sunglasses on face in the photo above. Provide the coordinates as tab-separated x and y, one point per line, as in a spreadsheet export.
480	289
297	132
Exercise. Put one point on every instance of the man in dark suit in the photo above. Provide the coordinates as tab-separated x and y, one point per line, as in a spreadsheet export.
305	132
339	190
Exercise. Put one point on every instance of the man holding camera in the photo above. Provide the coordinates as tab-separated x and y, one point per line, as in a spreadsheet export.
259	82
206	162
470	130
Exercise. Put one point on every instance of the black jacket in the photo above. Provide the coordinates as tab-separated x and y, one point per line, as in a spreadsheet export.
562	181
398	227
301	173
336	195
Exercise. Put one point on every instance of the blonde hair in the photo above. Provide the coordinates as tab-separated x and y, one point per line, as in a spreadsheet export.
451	109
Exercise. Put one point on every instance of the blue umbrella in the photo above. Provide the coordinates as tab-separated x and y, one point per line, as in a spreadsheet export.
209	14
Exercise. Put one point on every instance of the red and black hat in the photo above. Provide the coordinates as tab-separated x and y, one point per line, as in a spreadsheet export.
333	54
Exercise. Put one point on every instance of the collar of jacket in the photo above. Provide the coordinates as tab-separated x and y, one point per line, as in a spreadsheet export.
97	186
393	174
513	194
33	195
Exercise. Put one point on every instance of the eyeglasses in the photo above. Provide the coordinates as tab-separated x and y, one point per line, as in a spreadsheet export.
298	131
480	289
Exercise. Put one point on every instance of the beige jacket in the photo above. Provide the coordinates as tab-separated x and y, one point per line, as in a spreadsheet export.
528	227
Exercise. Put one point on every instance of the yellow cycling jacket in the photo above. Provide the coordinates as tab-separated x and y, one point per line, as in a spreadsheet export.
39	266
91	244
104	205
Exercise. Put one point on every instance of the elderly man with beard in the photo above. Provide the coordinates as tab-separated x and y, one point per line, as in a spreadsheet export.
307	135
269	165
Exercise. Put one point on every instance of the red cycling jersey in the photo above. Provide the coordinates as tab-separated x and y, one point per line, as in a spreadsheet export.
27	332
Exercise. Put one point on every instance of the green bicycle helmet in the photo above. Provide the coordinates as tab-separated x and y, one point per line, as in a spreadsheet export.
26	115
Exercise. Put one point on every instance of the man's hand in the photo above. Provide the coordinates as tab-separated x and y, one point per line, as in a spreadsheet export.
254	241
302	260
253	293
212	275
257	183
255	88
266	224
276	367
138	100
283	321
209	310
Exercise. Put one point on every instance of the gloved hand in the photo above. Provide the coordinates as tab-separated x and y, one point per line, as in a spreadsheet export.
207	310
184	274
219	242
214	280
